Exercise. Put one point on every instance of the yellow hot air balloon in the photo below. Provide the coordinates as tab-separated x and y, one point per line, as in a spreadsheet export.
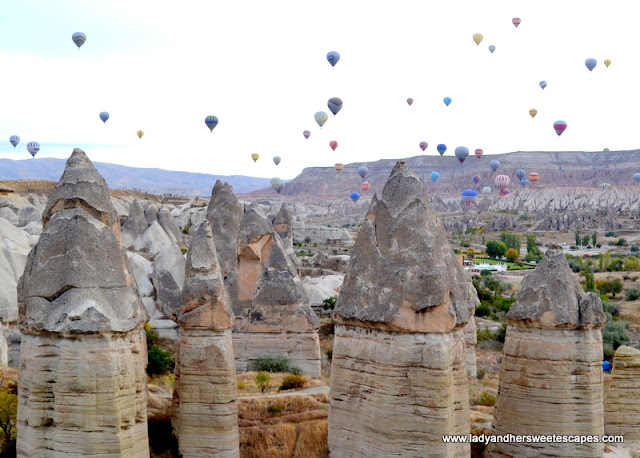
339	167
607	62
533	112
477	37
255	157
140	134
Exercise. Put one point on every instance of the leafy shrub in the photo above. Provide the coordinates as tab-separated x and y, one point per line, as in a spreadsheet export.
295	371
329	303
183	250
152	335
329	354
484	334
501	334
609	308
632	293
480	374
275	409
263	379
241	385
485	399
610	234
483	310
614	334
160	361
635	248
293	381
185	229
273	364
503	303
8	410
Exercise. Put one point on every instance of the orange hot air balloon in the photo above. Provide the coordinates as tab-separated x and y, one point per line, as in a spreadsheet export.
364	186
339	167
516	21
333	144
533	112
534	177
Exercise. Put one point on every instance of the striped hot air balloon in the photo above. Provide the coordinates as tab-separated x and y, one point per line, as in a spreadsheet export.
534	177
469	196
140	134
365	186
211	122
14	140
479	152
33	148
338	167
502	181
306	134
320	117
516	21
559	126
409	101
79	38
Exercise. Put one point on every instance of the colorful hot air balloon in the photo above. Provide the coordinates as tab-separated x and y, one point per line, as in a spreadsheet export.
211	122
502	181
486	190
355	197
255	157
364	186
495	164
469	196
524	182
520	174
362	171
543	84
279	188
607	62
140	134
441	148
335	105
434	176
409	101
447	101
534	177
478	152
321	117
333	144
461	153
477	38
559	127
33	148
492	48
14	139
79	38
339	167
276	160
590	63
604	185
333	57
533	112
503	192
475	179
104	116
306	134
276	183
636	177
423	145
516	21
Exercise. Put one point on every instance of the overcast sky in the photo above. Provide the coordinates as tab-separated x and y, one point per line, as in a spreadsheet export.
260	67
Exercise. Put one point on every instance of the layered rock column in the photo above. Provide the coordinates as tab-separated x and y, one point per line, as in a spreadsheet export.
622	405
398	377
551	373
205	412
83	386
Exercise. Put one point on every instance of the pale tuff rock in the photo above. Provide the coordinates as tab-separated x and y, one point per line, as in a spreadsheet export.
622	405
398	381
283	223
14	248
272	312
205	413
551	374
224	213
148	229
470	341
168	280
82	385
320	288
316	233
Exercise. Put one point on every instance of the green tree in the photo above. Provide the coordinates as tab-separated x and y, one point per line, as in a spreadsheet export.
491	248
511	255
501	249
8	410
263	379
530	257
585	240
609	286
589	280
594	238
511	240
494	285
531	245
577	234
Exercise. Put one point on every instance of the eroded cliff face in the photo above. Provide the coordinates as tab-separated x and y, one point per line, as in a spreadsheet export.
622	403
398	379
83	386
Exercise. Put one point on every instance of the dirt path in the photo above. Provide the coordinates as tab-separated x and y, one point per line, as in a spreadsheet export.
304	391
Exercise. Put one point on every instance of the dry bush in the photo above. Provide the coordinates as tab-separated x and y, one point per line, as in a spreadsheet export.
312	439
295	409
285	440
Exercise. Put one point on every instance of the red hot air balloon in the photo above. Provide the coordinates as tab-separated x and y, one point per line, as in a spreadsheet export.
516	21
560	127
479	153
409	101
423	145
365	186
333	144
502	181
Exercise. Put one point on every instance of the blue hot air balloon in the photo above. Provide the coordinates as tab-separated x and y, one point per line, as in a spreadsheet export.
461	153
435	176
276	160
33	148
333	57
211	122
441	148
355	196
320	117
79	38
543	84
591	63
495	164
492	48
636	177
469	196
104	116
362	171
447	101
14	139
335	105
276	184
524	182
475	179
520	174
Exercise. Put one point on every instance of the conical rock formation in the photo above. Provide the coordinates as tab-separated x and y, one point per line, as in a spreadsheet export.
622	405
224	213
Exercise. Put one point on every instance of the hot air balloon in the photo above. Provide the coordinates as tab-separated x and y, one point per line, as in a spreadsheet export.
79	38
362	171
607	62
533	112
441	148
534	177
279	188
516	21
469	196
492	48
524	182
140	134
486	190
104	116
503	192
255	157
423	145
434	176
590	63
477	38
447	101
476	179
355	197
559	127
211	122
14	139
333	144
636	177
306	134
495	164
520	174
606	149
335	105
276	160
409	101
339	167
461	153
543	84
33	148
333	57
604	185
276	183
502	181
478	152
321	117
364	186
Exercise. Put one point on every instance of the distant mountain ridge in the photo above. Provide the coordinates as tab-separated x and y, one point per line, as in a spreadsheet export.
157	181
